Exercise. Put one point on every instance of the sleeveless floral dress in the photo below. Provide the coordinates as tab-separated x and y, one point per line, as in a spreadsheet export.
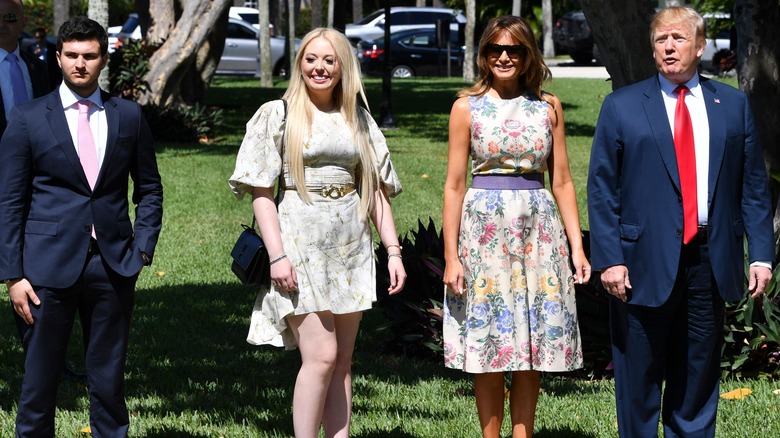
518	310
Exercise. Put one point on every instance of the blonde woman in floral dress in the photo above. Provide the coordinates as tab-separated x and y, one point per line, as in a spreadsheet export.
509	301
337	175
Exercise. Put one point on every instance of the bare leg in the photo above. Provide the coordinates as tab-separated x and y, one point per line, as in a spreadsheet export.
522	402
316	336
338	403
489	392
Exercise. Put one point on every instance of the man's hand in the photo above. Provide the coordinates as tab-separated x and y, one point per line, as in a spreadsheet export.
758	281
615	281
21	294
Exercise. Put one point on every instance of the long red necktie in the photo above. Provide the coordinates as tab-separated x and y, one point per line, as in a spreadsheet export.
686	164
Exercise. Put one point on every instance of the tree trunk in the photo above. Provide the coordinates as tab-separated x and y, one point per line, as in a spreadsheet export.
266	69
758	55
547	29
61	12
98	11
316	13
357	10
186	38
290	36
468	58
621	31
331	9
516	5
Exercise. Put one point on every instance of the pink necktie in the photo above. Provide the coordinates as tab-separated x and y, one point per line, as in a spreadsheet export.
686	164
17	80
87	151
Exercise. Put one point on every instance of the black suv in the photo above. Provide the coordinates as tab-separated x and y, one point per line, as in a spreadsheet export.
572	35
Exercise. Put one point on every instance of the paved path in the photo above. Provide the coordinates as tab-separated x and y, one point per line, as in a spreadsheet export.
568	69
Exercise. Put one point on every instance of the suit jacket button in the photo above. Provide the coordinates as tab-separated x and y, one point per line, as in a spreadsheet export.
678	232
87	228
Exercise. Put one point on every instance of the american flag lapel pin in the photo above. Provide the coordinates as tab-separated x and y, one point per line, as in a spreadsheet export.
717	100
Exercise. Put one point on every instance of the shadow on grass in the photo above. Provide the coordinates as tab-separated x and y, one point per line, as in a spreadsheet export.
189	355
562	433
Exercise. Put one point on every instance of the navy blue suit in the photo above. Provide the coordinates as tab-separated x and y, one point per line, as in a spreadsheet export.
636	219
47	210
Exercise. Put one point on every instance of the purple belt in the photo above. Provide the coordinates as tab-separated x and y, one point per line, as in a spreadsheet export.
526	181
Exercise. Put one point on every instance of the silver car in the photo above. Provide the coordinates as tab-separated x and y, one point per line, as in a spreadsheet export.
242	51
372	26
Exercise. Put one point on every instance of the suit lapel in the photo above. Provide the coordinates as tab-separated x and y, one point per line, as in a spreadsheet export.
655	111
59	126
717	125
112	122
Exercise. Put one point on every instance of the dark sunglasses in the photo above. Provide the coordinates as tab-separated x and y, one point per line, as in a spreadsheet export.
513	51
10	18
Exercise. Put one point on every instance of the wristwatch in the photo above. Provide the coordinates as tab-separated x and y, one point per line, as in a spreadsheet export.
147	259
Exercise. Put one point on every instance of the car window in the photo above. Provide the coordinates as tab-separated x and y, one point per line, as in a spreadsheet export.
425	18
400	18
235	30
426	40
370	17
250	18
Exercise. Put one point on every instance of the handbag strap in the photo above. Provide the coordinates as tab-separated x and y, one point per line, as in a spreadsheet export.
281	173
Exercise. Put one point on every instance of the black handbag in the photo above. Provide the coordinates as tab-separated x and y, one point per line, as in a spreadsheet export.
250	256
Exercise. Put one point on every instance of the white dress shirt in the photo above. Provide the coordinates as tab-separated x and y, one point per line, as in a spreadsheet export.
694	99
97	119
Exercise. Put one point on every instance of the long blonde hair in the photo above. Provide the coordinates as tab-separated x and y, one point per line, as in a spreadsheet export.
299	117
535	71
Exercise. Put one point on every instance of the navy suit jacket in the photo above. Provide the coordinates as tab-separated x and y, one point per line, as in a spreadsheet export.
634	198
47	207
39	78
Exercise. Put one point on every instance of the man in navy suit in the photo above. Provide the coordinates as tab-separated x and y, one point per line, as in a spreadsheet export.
67	244
34	71
667	232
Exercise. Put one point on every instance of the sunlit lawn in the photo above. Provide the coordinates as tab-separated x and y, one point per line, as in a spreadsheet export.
190	372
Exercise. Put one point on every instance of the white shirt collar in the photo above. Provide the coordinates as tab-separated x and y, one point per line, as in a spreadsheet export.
69	98
693	84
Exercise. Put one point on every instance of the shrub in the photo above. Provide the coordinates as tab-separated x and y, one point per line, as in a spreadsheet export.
414	319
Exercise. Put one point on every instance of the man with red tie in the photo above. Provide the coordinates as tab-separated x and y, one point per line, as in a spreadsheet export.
676	182
67	243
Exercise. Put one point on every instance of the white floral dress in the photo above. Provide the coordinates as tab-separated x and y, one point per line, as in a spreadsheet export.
518	310
328	243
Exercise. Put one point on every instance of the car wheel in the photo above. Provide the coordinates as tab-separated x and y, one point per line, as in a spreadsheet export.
402	71
279	69
582	57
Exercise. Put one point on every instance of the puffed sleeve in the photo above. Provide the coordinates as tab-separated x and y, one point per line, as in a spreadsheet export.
387	174
259	160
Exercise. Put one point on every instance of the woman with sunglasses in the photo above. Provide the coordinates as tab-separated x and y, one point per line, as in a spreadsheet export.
509	301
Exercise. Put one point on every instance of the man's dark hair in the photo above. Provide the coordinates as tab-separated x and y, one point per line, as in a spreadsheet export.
82	29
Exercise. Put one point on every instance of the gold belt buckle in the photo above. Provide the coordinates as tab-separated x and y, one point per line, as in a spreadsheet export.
332	192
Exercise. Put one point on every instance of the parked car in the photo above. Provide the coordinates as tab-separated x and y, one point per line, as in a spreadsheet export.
372	26
250	15
242	51
414	52
131	30
572	36
112	38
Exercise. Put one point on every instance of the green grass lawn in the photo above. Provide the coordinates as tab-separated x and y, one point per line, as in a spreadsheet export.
190	372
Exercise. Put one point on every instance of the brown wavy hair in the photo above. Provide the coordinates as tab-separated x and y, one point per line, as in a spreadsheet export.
535	71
